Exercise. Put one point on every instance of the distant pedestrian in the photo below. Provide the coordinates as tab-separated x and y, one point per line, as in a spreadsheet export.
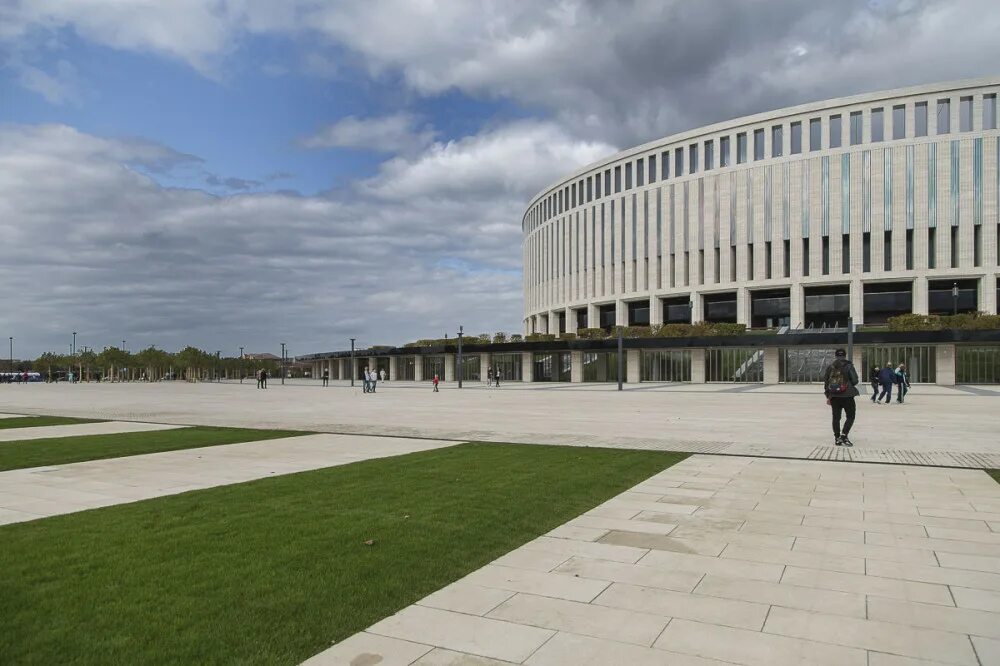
326	378
496	378
374	376
875	382
436	383
367	379
381	374
263	379
902	383
886	377
840	385
489	376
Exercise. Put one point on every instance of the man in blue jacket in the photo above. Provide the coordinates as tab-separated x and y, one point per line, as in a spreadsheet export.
886	377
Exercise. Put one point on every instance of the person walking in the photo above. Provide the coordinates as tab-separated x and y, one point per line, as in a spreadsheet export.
902	383
367	379
381	374
874	381
371	388
886	377
326	378
436	379
263	379
840	385
496	378
489	376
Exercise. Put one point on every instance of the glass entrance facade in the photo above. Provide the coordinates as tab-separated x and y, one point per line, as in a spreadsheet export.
552	367
666	366
406	368
600	367
977	365
803	366
433	365
919	360
734	364
508	366
470	368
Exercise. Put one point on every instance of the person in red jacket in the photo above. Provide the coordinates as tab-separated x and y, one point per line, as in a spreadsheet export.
435	383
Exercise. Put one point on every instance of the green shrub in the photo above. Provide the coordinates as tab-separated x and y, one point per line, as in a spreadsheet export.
499	337
540	337
568	336
914	322
591	333
516	337
637	332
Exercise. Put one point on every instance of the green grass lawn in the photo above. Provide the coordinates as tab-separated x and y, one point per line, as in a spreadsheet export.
37	421
995	473
62	450
274	571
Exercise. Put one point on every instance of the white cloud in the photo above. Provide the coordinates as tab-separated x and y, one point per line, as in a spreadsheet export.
60	87
100	248
396	133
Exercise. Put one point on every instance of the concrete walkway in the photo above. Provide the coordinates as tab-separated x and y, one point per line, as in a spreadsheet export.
727	560
27	494
941	425
80	429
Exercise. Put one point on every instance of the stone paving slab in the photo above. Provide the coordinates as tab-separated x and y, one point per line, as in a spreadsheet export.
80	429
855	568
12	416
27	494
939	425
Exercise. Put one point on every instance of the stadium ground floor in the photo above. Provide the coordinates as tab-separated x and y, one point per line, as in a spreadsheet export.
755	360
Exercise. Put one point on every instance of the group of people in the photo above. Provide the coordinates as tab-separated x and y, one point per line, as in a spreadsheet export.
493	377
840	385
371	379
262	379
14	378
885	378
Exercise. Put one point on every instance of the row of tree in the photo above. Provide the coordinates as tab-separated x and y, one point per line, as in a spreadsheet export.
151	364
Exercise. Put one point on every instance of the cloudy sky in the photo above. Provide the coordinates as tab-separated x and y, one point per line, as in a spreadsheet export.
250	172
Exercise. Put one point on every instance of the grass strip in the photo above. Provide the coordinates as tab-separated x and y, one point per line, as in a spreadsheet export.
995	473
63	450
274	571
39	421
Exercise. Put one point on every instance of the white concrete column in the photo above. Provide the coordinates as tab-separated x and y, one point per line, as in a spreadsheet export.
393	367
576	366
621	313
418	368
632	373
592	316
697	366
945	362
484	365
857	302
920	296
527	367
698	309
743	306
570	320
796	308
655	311
449	368
771	369
988	293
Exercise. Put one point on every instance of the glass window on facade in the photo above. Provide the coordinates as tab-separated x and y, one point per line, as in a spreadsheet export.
919	360
835	131
507	366
470	368
618	179
734	364
628	175
777	140
878	124
990	111
406	368
552	366
601	367
433	365
709	155
943	116
724	151
965	114
678	162
899	122
664	165
758	144
741	148
803	366
693	158
977	365
607	182
796	137
856	128
666	366
815	134
640	172
920	119
652	169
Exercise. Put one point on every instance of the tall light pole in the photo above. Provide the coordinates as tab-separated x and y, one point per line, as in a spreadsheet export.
12	353
459	369
621	359
74	344
217	355
241	365
954	298
282	363
353	369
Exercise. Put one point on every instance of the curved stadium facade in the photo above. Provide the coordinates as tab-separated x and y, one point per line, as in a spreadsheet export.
867	207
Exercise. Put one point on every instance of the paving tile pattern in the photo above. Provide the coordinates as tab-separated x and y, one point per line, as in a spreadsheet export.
80	429
28	494
750	561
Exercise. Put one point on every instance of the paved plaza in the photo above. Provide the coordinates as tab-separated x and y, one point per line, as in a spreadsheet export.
721	559
731	560
952	426
81	429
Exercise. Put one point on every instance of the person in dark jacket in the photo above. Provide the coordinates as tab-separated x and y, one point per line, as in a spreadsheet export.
886	377
874	381
840	385
902	380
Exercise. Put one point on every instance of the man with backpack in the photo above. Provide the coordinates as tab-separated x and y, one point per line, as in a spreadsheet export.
840	385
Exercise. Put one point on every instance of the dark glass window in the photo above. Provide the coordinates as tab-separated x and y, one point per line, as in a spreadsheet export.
664	165
693	158
932	247
909	249
866	252
815	134
796	138
878	124
741	148
943	116
805	257
965	114
652	169
899	122
628	175
856	128
758	144
920	119
887	251
835	136
607	182
826	255
618	179
845	254
724	151
678	162
640	172
990	111
597	186
709	155
954	247
777	140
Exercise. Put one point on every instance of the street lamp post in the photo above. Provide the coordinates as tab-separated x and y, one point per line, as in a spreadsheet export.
12	353
282	363
459	368
954	298
218	354
353	369
73	353
621	359
241	365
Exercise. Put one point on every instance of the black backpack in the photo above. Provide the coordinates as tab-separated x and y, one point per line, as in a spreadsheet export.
838	383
